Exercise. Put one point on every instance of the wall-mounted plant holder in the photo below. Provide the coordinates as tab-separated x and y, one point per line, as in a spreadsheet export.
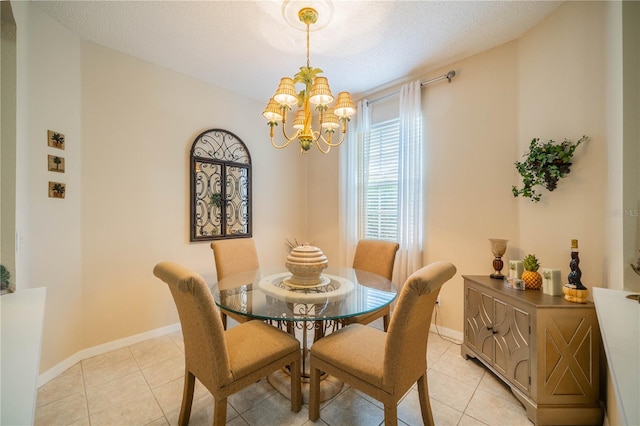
55	164
636	267
55	139
5	281
57	189
543	166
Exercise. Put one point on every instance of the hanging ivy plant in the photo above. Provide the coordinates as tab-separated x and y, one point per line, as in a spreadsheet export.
5	277
544	165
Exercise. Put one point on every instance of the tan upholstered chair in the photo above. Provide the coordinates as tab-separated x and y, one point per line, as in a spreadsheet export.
232	257
385	365
224	361
377	257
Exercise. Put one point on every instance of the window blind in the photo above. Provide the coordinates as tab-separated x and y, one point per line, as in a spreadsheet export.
380	187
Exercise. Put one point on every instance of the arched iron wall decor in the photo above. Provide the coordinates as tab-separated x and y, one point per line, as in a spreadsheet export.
220	187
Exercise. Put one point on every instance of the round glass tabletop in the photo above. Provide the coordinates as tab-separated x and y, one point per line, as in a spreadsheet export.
267	294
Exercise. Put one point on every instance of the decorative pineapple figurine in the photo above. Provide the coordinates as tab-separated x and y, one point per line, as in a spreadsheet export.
532	279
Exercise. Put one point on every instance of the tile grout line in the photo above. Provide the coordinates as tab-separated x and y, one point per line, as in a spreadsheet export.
84	391
464	411
155	398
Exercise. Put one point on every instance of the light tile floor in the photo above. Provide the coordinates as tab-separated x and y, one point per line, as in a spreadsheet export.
142	385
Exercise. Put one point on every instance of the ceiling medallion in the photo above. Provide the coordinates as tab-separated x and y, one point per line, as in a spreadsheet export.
291	10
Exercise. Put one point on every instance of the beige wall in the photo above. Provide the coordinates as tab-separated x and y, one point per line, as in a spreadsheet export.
558	80
139	122
470	129
561	79
8	140
563	74
49	252
323	202
631	146
129	127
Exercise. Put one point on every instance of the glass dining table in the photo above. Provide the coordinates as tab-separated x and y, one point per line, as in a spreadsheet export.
307	312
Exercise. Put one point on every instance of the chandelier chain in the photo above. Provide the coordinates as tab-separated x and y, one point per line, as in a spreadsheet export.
308	46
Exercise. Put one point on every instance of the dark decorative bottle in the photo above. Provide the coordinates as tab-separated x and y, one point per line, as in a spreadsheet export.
575	274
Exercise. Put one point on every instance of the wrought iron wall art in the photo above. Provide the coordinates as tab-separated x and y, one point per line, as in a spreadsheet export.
220	187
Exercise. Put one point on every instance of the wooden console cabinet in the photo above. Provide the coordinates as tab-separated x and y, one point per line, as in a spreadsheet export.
545	348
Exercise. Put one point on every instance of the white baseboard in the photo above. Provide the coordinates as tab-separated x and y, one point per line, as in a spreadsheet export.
63	366
446	332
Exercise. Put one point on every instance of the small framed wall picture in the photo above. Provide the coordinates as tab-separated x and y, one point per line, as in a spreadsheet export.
55	163
57	189
55	139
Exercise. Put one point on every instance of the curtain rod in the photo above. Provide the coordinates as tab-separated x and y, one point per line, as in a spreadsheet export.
448	76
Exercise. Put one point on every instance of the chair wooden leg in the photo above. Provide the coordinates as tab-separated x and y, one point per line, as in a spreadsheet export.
425	404
314	394
219	411
385	321
187	398
224	320
296	384
391	415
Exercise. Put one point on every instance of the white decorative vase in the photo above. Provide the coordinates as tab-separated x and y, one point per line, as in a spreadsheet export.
306	263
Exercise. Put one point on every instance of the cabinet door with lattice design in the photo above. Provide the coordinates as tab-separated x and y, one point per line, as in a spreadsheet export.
512	336
569	341
479	322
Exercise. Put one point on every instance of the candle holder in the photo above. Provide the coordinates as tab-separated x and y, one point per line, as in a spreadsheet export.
498	248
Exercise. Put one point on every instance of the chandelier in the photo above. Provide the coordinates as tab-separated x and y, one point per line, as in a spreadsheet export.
316	92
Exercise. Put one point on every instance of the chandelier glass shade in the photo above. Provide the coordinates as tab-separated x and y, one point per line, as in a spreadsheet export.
316	93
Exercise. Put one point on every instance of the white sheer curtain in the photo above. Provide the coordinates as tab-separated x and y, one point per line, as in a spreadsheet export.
349	177
411	187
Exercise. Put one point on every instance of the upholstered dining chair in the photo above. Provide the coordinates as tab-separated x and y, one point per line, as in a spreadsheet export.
385	365
224	361
232	257
378	257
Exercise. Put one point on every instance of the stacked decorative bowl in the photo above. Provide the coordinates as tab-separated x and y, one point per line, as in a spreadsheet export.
306	264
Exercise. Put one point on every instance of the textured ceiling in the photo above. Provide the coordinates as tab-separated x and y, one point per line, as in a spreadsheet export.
247	46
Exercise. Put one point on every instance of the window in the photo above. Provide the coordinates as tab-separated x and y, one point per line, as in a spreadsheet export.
378	183
382	197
